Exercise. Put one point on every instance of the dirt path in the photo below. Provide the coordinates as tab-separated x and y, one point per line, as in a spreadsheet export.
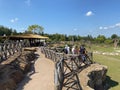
42	76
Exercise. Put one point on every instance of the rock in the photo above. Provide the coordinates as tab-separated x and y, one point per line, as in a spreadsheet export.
23	62
12	73
92	77
9	77
8	84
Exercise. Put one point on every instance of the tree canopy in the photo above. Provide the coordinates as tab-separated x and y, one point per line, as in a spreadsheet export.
7	31
35	29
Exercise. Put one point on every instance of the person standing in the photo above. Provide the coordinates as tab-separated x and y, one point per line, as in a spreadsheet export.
73	50
83	52
67	49
82	49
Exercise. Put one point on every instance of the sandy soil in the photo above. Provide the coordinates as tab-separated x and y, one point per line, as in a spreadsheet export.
41	76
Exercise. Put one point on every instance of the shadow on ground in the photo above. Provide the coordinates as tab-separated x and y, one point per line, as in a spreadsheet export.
23	83
27	78
32	69
109	83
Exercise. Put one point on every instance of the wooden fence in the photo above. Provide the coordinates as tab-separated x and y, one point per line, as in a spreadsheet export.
67	67
10	48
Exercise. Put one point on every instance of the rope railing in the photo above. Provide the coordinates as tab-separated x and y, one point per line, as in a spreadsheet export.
67	67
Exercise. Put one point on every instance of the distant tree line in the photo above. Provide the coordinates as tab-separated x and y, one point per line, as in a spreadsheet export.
7	31
99	39
114	39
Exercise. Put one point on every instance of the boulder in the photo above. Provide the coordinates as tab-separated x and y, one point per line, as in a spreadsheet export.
23	62
93	77
12	72
9	77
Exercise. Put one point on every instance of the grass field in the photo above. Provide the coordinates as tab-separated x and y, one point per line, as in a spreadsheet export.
113	64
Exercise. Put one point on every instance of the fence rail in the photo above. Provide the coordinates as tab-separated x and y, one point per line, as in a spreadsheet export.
67	67
9	48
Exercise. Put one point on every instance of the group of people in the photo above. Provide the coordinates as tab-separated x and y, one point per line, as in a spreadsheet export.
74	50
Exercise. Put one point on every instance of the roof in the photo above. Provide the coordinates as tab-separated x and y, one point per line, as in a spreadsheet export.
28	36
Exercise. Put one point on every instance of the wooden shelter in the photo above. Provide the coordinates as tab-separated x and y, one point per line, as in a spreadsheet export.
27	36
31	39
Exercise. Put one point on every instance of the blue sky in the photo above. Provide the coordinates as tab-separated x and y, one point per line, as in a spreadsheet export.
72	17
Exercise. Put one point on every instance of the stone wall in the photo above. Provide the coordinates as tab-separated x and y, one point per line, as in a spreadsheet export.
12	73
93	77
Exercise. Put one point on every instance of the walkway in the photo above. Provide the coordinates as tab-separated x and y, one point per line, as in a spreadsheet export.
43	78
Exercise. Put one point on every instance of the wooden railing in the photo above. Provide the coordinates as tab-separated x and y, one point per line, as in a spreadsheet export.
67	67
10	48
51	54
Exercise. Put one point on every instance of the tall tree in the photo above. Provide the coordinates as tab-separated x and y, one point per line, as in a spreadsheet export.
114	36
5	31
36	29
115	39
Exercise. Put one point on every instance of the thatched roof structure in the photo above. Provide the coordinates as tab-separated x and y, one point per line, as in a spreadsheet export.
30	39
26	36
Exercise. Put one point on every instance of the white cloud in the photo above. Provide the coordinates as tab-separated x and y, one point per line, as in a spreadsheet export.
105	27
117	25
28	2
89	13
75	29
110	27
14	20
100	27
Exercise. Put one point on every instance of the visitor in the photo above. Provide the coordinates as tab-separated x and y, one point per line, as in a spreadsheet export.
83	52
73	50
67	49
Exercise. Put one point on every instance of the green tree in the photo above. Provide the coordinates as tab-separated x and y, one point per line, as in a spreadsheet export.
114	36
115	39
100	39
5	31
62	37
70	38
108	41
79	38
35	29
14	32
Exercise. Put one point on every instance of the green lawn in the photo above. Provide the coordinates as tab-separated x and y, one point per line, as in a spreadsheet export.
113	63
102	48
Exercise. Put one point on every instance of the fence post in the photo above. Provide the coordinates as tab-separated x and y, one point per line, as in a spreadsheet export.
56	78
90	54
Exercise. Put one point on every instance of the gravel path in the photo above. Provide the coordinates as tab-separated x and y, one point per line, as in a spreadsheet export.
41	76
